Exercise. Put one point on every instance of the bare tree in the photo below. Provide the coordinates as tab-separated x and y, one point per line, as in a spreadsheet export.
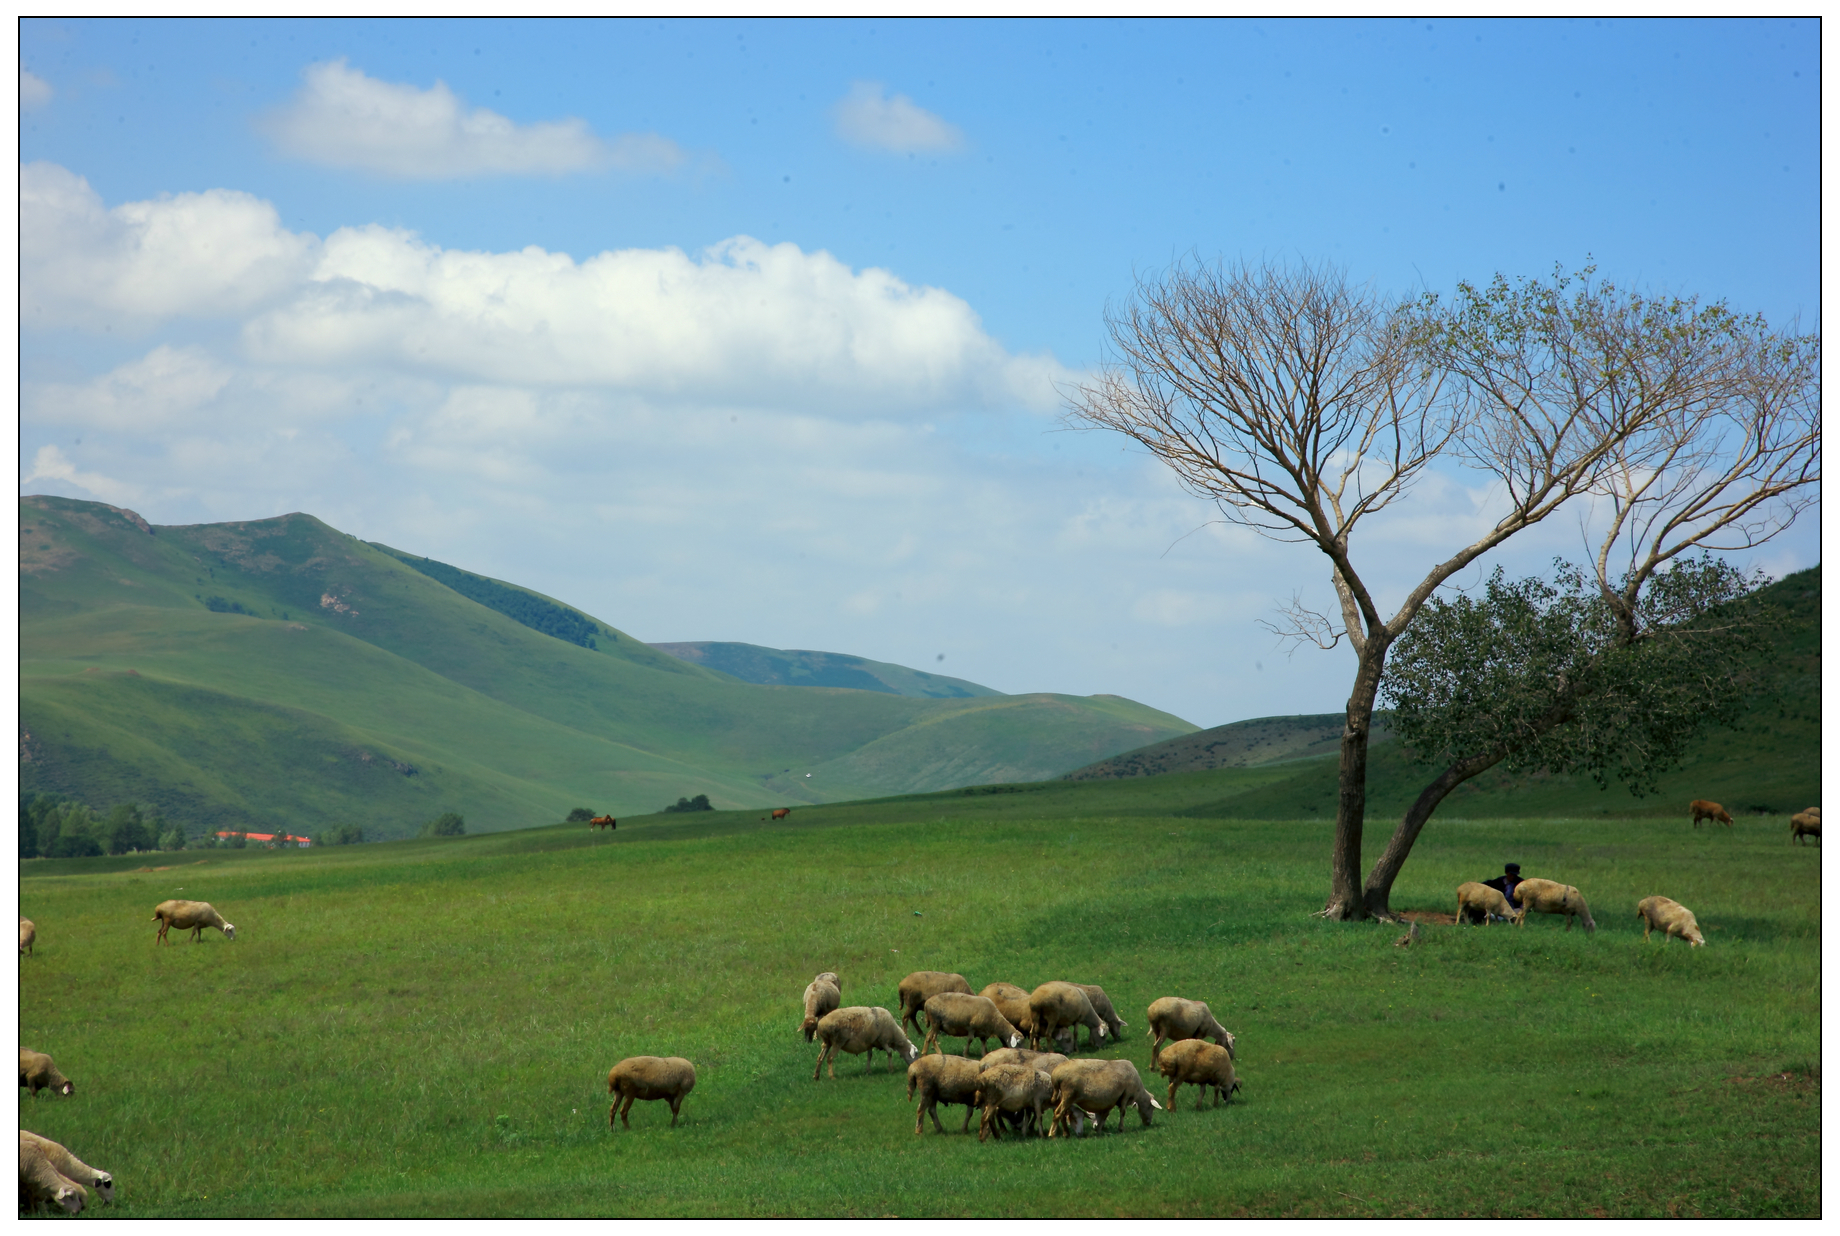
1301	405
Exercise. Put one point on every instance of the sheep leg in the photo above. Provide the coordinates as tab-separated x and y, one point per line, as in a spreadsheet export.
932	1042
824	1049
677	1101
966	1128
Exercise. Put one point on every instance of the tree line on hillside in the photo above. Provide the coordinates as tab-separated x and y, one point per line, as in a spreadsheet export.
53	826
519	606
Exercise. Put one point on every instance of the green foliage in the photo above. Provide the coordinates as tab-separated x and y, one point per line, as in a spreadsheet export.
173	839
486	977
217	605
1546	675
699	803
514	603
125	830
340	834
580	815
447	824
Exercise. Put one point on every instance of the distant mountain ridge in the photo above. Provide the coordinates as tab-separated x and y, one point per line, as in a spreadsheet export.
1238	744
798	667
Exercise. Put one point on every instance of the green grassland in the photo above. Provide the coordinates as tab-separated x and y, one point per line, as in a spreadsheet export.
424	1027
262	674
795	667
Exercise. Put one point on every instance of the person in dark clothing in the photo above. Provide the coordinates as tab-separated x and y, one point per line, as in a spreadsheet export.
1511	876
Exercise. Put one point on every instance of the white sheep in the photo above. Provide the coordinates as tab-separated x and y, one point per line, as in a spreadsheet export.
1551	897
821	996
1013	1088
1102	1005
28	932
1197	1062
1174	1018
1805	824
1482	902
1671	917
1046	1061
71	1167
196	915
1055	1006
942	1079
1097	1087
919	987
861	1031
38	1072
968	1017
41	1183
669	1078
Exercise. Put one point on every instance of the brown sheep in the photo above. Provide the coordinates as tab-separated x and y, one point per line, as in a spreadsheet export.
71	1167
1805	824
1671	917
1013	1002
1551	897
1019	1088
1098	1086
649	1077
1478	903
1046	1061
37	1072
1102	1005
942	1079
28	932
196	915
1196	1062
861	1031
969	1017
1705	810
919	987
1056	1005
1173	1018
41	1183
820	998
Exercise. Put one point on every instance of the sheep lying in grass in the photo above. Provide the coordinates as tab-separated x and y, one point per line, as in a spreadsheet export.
1805	824
861	1032
1671	917
822	995
1173	1018
28	932
1098	1086
649	1077
196	915
942	1079
71	1167
1703	809
959	1015
1054	1006
37	1072
922	985
1479	903
1551	897
1012	1088
1196	1062
42	1184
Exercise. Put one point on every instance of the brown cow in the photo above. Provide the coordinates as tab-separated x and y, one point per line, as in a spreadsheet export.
603	821
780	813
1703	810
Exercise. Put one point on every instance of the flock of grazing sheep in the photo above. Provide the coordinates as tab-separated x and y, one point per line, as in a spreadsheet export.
1011	1085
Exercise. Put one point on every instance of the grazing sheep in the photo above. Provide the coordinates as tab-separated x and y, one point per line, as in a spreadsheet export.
820	998
969	1017
1046	1061
942	1079
1055	1005
1551	897
1102	1005
41	1183
861	1031
1805	824
1705	810
1017	1088
28	932
1174	1018
1480	903
1098	1086
71	1167
919	987
196	915
1671	917
649	1077
1196	1062
37	1072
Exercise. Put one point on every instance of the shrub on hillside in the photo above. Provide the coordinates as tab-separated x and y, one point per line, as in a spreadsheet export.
699	803
126	830
173	838
581	815
340	834
447	824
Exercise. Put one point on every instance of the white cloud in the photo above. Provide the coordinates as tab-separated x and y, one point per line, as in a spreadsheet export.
34	91
212	254
344	118
167	386
51	465
867	117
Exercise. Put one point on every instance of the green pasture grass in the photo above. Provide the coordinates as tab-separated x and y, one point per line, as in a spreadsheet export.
425	1027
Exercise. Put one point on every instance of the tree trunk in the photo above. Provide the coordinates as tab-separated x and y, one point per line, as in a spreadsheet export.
1345	901
1379	891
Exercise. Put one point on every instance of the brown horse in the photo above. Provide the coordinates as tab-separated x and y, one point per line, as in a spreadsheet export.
780	813
603	821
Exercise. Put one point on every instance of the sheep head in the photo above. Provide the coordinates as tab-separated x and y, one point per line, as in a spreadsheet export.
229	932
68	1088
1015	1040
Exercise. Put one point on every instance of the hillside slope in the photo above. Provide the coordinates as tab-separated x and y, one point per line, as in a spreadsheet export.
242	670
796	667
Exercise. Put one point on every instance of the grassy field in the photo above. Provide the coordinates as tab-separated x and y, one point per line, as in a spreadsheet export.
425	1027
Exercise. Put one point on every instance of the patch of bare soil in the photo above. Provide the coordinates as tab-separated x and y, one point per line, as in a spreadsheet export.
1437	917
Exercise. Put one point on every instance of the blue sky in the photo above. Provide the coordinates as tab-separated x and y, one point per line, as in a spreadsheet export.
751	330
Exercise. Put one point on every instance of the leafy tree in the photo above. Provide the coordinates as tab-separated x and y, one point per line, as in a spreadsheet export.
340	834
447	824
238	840
580	815
75	845
699	803
1301	406
125	831
1544	677
173	838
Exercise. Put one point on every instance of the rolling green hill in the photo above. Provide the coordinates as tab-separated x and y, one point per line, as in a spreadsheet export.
800	668
279	673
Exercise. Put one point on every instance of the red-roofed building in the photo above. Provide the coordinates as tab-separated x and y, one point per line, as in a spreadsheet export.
265	838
